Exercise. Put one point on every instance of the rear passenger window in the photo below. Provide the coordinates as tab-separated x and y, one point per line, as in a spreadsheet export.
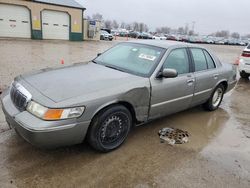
178	60
210	61
199	59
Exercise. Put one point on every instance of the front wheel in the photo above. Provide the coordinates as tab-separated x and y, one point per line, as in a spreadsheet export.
110	128
215	99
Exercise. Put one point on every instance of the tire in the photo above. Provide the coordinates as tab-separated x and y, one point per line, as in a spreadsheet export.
244	75
110	128
215	99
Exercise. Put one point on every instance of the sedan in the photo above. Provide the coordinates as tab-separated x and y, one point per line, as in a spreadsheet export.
128	85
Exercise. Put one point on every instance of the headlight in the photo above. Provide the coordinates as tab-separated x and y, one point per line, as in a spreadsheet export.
54	114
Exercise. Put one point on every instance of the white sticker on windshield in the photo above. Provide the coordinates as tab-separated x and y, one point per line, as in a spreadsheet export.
147	57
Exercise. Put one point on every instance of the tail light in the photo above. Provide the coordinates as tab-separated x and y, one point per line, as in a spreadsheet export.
245	54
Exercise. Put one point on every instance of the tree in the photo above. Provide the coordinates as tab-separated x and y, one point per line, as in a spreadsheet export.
191	32
128	26
135	26
181	30
97	16
186	29
235	35
108	24
141	27
123	24
115	25
222	33
165	30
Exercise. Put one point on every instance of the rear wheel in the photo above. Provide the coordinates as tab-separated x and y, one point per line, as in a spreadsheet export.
244	75
110	128
215	99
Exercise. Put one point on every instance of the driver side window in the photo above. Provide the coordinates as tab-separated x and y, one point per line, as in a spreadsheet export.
178	60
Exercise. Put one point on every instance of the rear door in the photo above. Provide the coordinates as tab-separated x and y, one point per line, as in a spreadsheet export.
171	95
205	73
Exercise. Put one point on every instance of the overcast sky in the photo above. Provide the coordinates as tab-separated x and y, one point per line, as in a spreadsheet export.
208	15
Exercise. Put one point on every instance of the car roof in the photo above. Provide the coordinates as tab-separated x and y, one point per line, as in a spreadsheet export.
164	43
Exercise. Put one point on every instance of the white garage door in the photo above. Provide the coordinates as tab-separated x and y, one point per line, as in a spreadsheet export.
55	25
14	21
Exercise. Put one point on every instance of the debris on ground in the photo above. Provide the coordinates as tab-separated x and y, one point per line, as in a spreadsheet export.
173	136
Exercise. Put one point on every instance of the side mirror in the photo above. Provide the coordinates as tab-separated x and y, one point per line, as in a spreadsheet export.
168	73
99	54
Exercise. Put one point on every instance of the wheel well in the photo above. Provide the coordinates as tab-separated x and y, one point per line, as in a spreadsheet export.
130	108
224	83
123	103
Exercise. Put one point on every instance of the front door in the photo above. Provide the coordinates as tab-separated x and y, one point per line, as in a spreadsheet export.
170	95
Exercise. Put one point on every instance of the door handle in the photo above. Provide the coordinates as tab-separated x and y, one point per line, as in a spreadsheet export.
190	81
216	76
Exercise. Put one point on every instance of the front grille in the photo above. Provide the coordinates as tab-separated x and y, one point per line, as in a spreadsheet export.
18	98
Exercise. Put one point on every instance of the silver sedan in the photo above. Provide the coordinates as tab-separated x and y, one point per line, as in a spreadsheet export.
128	85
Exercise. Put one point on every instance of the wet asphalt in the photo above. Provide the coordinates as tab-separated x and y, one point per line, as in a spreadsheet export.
217	154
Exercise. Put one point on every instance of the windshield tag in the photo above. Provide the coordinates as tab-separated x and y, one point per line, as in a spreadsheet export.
147	57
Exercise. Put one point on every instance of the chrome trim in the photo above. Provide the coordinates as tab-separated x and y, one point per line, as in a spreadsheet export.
201	92
170	101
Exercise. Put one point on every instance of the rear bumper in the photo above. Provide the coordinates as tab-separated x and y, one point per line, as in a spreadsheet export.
45	134
244	66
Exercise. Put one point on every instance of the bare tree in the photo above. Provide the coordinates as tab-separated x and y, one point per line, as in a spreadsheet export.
115	25
186	29
128	26
88	18
135	26
97	16
222	33
165	30
235	35
191	32
141	27
123	24
108	24
181	30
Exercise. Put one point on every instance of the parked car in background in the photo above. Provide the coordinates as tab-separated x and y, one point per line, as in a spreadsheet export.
244	64
106	36
172	37
130	84
145	35
159	37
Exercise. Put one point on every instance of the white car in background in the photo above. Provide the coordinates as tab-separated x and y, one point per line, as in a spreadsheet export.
244	64
159	37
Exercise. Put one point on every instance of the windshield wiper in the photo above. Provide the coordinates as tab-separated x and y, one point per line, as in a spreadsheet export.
94	61
113	68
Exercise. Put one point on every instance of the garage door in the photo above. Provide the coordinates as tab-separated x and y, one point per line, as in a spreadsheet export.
55	25
14	21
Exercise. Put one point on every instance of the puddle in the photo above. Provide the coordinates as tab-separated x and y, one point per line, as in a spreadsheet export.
173	136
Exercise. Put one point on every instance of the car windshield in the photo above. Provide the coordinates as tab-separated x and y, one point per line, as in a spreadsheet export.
248	47
132	58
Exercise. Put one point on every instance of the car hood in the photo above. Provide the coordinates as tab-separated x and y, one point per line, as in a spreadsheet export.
79	79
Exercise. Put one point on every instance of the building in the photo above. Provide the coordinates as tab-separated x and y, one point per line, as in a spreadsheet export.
42	19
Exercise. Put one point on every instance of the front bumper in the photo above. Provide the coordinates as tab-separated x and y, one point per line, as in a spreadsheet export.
45	134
